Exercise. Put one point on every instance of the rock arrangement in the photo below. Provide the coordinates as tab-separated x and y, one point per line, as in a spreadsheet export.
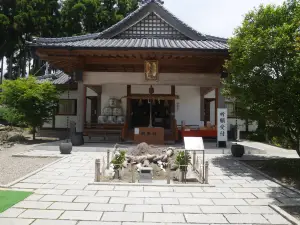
144	155
10	135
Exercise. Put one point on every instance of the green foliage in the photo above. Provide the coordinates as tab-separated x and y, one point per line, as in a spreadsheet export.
183	159
264	68
257	136
28	101
21	20
88	16
12	116
119	159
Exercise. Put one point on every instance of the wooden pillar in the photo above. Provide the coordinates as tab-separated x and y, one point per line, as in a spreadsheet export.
216	105
128	110
84	106
80	112
99	102
202	109
173	124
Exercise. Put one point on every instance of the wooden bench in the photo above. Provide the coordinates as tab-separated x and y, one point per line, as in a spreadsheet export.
104	130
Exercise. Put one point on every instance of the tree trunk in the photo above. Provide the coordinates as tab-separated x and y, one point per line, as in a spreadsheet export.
29	64
33	133
298	146
10	66
2	70
24	65
247	125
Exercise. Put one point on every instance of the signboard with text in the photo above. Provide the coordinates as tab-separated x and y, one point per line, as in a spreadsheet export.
222	124
193	143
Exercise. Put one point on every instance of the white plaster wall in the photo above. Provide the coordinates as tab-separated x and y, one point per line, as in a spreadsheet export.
113	90
73	95
60	120
211	94
48	124
144	89
90	92
187	107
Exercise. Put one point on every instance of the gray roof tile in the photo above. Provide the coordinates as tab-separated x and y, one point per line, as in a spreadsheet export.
143	43
57	78
107	38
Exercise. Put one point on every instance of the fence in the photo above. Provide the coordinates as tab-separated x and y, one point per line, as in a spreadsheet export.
199	166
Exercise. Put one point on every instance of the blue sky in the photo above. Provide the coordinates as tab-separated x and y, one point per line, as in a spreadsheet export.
213	17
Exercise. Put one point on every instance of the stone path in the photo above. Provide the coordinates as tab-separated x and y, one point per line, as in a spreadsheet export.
63	196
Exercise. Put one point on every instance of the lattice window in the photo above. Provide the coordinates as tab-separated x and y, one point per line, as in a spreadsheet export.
152	27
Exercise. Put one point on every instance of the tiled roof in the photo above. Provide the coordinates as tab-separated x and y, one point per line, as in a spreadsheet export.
143	43
109	37
56	78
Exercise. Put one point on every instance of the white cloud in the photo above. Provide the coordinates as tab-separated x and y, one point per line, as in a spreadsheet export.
214	17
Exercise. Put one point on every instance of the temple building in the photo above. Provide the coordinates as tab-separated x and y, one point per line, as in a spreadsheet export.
150	77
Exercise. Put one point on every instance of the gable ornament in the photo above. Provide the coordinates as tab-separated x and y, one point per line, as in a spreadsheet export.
151	70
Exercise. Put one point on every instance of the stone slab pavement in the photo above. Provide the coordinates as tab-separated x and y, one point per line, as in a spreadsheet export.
63	196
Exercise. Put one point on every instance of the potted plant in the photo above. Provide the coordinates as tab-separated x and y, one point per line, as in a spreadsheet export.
118	161
183	159
237	150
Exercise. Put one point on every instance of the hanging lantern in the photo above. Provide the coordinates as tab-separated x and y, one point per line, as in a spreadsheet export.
140	102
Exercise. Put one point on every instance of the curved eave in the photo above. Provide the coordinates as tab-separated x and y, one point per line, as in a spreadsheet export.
138	48
140	13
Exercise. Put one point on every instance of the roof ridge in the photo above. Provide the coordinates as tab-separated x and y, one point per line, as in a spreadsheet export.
124	19
66	39
158	9
215	38
186	30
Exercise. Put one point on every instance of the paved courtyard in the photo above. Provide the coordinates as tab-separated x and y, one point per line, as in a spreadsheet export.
63	196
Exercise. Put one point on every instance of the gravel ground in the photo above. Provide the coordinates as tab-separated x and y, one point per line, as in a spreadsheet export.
12	168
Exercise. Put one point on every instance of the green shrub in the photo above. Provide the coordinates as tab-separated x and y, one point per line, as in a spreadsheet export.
183	158
257	136
12	116
119	159
17	138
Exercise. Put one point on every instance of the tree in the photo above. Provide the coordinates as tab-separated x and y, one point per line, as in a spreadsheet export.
265	70
31	102
89	16
20	20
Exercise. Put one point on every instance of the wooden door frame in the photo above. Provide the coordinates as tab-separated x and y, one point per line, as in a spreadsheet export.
207	100
95	98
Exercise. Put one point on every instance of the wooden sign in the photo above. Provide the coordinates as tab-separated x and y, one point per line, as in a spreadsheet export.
222	124
151	70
